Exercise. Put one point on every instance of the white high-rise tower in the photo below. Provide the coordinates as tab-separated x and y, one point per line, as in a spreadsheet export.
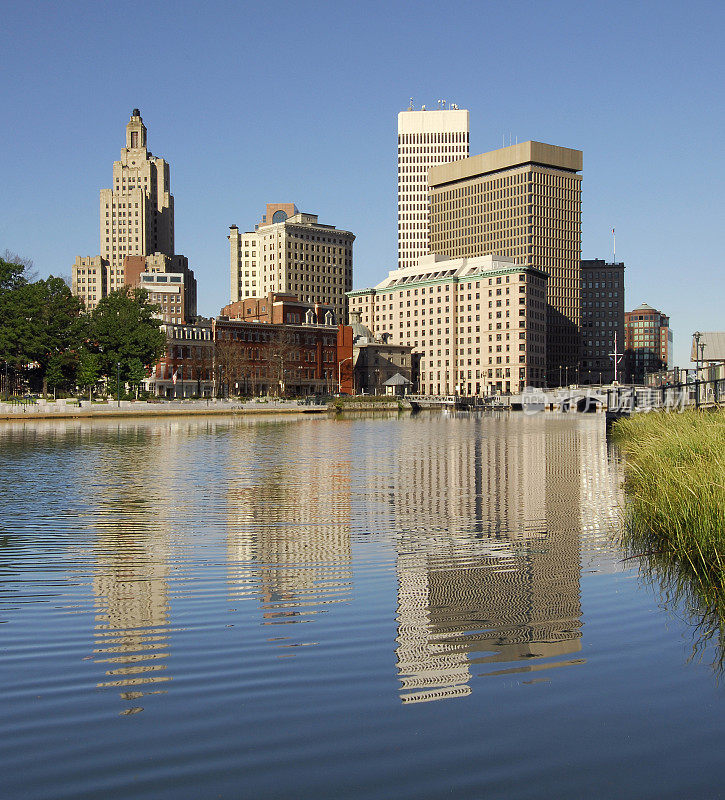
425	139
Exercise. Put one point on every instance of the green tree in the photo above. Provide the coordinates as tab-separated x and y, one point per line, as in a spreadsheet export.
88	370
54	376
136	373
122	329
55	328
12	322
38	322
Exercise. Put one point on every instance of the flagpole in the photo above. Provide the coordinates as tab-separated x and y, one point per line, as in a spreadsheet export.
614	247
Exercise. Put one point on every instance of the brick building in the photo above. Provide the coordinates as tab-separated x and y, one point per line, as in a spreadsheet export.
648	342
282	346
187	367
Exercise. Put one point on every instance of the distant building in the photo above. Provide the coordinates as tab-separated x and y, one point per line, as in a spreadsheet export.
602	320
648	342
710	356
425	138
137	222
282	346
477	325
89	279
292	253
522	202
380	367
187	367
170	283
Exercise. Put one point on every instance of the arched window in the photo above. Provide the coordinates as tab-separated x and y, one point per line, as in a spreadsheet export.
279	216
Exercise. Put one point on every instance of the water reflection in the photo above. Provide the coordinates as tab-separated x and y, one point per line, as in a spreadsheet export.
488	517
130	495
488	520
288	513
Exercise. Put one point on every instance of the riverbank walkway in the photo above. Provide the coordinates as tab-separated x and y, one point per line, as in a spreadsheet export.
74	409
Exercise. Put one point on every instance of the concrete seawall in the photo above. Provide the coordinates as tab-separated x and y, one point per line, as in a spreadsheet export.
86	410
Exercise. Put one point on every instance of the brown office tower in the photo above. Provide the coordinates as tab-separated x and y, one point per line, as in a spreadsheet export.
523	202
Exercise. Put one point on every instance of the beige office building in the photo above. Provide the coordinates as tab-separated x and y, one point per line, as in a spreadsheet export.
523	202
478	324
425	139
292	253
136	216
89	279
137	212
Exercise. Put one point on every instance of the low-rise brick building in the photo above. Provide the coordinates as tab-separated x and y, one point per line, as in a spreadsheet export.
282	346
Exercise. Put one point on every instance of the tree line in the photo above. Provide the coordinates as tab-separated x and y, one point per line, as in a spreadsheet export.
49	341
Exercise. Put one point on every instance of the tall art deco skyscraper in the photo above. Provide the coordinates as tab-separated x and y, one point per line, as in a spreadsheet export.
425	139
137	212
137	236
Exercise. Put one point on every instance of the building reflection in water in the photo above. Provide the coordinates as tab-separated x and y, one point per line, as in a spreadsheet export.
489	518
288	511
133	490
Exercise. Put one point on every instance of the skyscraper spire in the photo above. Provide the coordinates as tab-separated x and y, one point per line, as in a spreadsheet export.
135	131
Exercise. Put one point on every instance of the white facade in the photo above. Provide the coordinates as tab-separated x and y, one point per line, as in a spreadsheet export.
425	139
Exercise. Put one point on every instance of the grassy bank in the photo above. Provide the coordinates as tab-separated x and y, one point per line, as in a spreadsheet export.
675	486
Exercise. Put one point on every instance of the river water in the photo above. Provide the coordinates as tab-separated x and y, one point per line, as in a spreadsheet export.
378	607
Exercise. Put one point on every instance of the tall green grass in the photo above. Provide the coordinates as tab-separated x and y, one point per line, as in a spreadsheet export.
675	485
675	513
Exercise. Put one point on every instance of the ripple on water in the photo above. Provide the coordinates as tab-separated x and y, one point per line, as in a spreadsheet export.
307	608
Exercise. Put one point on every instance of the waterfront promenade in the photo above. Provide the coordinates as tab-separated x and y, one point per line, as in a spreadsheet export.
62	409
73	409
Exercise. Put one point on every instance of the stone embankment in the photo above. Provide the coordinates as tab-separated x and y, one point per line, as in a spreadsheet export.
70	409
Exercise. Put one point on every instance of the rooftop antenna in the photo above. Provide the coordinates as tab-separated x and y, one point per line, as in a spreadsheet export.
614	247
410	107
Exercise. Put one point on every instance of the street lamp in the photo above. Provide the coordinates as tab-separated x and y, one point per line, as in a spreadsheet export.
118	384
339	373
560	383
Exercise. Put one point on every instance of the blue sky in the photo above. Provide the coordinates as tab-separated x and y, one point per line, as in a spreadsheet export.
277	102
